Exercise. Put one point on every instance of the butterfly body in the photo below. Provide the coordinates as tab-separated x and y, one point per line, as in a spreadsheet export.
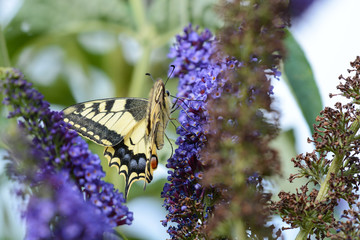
130	129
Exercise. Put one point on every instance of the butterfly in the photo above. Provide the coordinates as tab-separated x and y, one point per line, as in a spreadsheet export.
130	129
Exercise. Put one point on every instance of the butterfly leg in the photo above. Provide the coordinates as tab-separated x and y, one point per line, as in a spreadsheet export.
172	149
174	119
173	109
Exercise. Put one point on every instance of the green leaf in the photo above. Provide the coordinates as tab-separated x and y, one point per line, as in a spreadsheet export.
300	80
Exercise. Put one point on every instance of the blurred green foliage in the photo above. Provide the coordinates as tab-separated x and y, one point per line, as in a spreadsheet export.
120	39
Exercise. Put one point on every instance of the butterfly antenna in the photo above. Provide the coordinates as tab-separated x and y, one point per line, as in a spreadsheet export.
172	71
148	74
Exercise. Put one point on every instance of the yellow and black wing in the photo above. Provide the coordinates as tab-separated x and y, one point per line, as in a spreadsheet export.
119	125
131	129
106	121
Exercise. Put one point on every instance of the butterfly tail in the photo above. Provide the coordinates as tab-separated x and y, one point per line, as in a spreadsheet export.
131	166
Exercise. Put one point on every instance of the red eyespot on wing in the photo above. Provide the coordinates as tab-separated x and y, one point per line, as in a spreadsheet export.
153	162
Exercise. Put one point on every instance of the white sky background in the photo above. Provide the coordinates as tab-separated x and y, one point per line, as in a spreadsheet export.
329	35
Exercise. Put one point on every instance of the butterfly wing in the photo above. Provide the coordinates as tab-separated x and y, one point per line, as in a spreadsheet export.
106	121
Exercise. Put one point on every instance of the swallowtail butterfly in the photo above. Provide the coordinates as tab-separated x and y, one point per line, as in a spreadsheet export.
130	129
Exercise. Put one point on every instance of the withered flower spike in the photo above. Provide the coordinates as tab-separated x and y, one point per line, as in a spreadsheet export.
334	164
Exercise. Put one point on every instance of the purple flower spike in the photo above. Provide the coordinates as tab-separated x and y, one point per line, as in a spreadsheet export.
200	77
69	198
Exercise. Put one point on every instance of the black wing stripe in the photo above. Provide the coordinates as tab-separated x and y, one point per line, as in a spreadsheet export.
95	128
133	108
109	105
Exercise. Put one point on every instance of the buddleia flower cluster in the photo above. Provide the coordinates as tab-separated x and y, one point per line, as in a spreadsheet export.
333	168
67	197
200	77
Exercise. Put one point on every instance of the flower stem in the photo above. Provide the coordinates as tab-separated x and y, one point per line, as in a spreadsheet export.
239	230
138	77
145	35
4	56
334	168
